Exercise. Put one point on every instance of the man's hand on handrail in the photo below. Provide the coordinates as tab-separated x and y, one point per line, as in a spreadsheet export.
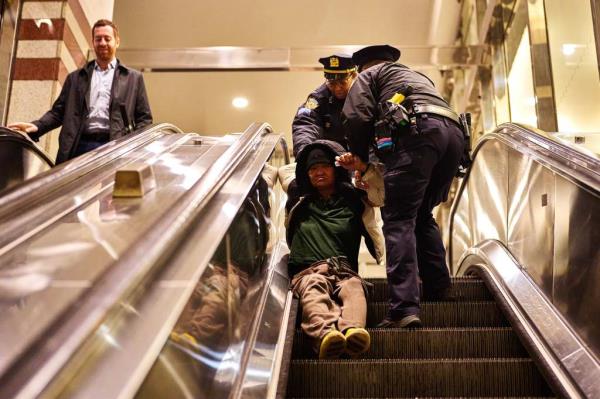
24	127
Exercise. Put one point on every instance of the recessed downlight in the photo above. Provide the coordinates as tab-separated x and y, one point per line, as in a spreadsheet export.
240	102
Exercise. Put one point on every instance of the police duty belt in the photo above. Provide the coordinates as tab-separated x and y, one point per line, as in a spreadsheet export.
437	110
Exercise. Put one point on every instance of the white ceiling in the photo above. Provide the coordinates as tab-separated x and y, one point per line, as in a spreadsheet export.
201	101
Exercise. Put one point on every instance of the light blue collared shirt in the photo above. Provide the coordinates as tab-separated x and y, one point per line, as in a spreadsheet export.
98	117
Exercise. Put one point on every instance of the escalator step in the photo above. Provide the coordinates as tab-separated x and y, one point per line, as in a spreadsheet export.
445	397
447	314
385	378
431	344
462	289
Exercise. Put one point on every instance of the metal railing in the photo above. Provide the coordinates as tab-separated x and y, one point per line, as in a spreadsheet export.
39	187
568	365
41	363
8	134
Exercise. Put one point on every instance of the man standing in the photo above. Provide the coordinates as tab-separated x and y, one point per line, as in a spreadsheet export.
101	102
420	142
319	117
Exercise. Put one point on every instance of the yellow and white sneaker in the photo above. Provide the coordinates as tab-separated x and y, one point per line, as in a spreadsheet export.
358	341
332	345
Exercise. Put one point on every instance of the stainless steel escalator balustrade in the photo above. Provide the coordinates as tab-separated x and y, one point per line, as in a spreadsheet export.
114	250
540	199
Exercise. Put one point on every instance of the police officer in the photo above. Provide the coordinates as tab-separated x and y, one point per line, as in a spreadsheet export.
420	142
319	117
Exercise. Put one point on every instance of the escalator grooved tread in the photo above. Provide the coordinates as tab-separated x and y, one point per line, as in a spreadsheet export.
447	314
431	343
437	377
466	348
462	288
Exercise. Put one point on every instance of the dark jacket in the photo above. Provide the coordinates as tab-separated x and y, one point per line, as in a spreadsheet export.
305	192
375	86
71	107
318	119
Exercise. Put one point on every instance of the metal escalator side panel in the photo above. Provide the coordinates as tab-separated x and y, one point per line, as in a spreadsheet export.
542	200
567	162
142	327
260	369
60	252
58	343
68	256
545	199
480	206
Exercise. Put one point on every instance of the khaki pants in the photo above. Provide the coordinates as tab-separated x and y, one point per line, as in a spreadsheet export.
212	313
330	297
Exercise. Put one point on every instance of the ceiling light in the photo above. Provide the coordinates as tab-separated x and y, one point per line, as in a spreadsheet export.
569	49
240	102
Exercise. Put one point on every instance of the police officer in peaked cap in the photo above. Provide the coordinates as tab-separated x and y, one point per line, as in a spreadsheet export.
398	112
319	116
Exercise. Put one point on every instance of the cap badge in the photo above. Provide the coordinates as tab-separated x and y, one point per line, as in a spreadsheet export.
334	62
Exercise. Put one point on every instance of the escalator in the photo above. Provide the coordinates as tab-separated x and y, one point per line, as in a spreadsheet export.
91	283
20	159
183	293
523	234
466	348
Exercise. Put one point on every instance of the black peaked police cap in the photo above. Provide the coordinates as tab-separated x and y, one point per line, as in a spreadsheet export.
337	66
378	52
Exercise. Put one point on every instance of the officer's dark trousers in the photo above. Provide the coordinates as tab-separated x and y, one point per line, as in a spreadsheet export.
417	177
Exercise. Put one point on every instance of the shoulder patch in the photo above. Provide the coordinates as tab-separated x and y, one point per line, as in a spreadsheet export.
303	111
311	103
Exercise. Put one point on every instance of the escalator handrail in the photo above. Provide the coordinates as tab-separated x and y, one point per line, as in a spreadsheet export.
556	140
137	262
285	150
571	368
270	291
570	162
21	196
7	134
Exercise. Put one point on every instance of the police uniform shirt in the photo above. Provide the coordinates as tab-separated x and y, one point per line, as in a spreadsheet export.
377	85
320	115
318	118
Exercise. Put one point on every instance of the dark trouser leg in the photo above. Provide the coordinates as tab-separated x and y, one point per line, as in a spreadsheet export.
405	182
417	177
431	254
430	248
401	268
